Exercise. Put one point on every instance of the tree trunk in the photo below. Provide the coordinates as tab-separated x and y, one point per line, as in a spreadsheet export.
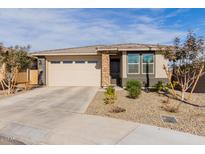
183	95
2	85
5	86
197	79
9	87
170	81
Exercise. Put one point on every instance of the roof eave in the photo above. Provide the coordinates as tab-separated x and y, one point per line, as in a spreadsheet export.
139	49
61	54
128	49
107	49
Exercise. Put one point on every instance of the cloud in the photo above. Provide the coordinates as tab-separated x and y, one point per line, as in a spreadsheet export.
61	28
177	12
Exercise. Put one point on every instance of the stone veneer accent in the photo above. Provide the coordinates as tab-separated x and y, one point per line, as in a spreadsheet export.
105	69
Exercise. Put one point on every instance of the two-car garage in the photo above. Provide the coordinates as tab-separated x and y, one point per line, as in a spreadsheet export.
73	70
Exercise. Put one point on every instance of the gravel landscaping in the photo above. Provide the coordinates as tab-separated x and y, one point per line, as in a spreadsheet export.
3	95
148	109
8	141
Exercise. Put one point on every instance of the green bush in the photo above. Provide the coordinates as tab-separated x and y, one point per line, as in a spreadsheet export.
134	88
110	95
132	83
167	87
134	92
159	86
110	90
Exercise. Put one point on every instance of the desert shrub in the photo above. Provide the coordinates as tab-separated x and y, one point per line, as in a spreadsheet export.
110	95
134	88
166	101
117	110
170	106
132	83
159	86
168	86
134	92
110	90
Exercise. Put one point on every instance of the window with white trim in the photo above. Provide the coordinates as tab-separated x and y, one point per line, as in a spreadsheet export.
92	62
67	62
55	62
80	62
133	63
148	64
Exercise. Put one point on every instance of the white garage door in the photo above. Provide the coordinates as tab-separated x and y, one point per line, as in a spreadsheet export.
74	71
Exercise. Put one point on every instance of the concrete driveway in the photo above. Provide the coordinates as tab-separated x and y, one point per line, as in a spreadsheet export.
73	99
55	116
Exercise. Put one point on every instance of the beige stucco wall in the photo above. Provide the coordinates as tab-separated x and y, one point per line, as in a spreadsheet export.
159	62
47	70
74	74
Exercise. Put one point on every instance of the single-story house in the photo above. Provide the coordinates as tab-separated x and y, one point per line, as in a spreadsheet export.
101	65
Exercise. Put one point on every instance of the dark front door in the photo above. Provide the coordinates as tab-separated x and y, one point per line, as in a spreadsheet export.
115	71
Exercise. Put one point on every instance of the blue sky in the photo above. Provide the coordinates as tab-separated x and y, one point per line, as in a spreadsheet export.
61	28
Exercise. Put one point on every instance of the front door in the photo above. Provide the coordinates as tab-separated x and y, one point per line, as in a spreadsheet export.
115	71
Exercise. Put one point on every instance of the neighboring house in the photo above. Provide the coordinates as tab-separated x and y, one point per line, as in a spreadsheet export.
101	65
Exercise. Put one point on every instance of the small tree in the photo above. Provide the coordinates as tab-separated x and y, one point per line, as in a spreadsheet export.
13	60
186	63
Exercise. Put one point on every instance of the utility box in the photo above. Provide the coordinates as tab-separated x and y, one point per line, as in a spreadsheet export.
41	70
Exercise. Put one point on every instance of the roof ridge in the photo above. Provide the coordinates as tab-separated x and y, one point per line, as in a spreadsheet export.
94	48
117	44
68	48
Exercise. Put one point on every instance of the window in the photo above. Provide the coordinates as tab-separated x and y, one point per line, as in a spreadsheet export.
55	62
148	64
67	62
133	63
92	62
79	62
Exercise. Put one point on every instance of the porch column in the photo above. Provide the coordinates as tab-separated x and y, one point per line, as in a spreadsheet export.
124	64
105	71
123	69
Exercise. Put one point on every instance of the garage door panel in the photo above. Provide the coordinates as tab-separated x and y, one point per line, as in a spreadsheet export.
87	74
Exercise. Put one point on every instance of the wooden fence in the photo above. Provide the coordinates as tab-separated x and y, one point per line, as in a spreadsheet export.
26	79
1	75
30	77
